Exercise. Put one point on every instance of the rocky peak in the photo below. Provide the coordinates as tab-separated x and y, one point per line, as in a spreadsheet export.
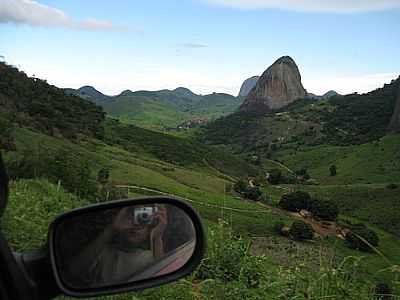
247	86
278	86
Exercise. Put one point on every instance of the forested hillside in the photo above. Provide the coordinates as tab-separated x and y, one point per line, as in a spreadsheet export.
340	120
33	103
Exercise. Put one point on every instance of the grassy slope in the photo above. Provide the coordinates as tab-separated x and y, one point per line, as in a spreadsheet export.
203	185
32	206
146	113
175	150
375	162
197	182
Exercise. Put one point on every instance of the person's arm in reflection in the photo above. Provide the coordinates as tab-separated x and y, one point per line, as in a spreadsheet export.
157	234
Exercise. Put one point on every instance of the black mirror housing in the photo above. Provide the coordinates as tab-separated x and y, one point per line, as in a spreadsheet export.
142	283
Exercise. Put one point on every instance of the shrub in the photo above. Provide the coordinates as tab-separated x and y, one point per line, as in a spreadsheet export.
278	226
392	186
295	201
275	176
324	209
228	259
301	231
332	170
355	238
103	175
252	193
302	173
288	179
240	186
383	291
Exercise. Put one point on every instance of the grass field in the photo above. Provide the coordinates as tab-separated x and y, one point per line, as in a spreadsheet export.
375	162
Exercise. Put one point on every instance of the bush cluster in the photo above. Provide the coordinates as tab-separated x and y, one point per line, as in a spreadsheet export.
321	208
392	186
248	192
276	177
301	231
295	201
278	226
362	238
74	172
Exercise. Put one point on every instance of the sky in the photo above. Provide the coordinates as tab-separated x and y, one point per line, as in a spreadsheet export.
205	45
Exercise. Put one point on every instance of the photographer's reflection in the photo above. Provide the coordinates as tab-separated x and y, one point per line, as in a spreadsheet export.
132	242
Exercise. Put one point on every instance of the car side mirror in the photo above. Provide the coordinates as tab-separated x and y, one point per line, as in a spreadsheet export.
125	245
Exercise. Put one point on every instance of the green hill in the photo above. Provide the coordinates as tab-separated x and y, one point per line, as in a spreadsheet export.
348	131
161	109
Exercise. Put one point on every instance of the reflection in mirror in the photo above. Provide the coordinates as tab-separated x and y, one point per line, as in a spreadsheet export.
122	245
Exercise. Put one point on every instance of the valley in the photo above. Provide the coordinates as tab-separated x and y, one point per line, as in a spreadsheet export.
163	110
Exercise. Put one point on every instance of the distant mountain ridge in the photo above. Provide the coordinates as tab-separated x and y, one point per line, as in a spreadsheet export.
161	109
88	92
325	96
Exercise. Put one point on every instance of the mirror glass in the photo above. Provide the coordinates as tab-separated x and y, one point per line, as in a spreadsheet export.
122	245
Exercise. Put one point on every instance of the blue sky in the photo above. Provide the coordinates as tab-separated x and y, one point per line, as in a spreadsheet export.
205	45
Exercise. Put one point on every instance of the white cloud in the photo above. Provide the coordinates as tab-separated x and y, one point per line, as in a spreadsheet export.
193	45
348	84
36	14
338	6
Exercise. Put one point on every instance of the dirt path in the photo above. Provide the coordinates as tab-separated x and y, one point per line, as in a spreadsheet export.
191	200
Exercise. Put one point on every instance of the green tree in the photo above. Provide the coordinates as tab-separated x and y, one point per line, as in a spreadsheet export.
253	193
275	176
295	201
6	134
332	170
278	226
324	209
240	186
103	175
361	237
301	231
73	172
383	291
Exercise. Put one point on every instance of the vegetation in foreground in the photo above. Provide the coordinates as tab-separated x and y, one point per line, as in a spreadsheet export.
230	269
